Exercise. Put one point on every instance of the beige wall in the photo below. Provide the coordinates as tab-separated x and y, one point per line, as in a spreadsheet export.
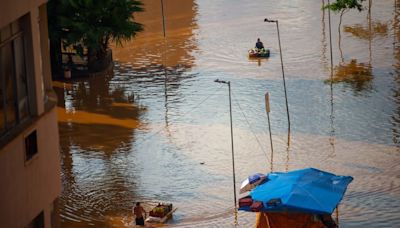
28	188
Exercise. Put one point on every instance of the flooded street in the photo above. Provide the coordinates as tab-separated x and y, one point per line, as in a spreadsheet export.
157	129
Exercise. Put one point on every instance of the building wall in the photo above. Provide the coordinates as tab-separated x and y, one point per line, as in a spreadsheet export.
11	10
28	188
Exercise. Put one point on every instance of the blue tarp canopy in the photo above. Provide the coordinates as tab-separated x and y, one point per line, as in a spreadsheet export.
307	191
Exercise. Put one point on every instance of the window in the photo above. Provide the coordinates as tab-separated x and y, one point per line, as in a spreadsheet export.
31	146
14	103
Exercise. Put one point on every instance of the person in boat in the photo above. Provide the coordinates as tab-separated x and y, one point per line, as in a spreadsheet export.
259	44
139	213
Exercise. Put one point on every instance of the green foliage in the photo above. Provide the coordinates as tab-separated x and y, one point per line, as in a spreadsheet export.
340	5
92	24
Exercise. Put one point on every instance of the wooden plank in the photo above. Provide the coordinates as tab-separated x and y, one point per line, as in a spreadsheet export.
167	216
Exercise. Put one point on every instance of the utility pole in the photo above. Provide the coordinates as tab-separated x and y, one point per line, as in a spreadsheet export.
283	73
233	155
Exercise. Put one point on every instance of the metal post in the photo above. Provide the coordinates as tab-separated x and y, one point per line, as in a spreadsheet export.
162	12
332	139
284	81
337	215
233	155
165	65
267	109
330	38
283	75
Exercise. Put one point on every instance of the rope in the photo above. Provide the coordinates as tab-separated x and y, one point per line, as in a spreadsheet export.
248	123
185	113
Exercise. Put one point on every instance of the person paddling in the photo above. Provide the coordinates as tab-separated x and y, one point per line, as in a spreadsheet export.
259	44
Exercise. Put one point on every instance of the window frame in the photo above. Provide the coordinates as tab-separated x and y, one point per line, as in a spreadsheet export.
19	37
30	157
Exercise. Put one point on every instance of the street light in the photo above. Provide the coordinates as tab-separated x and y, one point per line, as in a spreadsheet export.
233	156
163	20
165	64
283	72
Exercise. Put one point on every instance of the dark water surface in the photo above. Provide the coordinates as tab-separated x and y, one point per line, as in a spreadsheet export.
134	136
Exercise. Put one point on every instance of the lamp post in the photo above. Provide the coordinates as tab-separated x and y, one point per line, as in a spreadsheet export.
233	156
165	64
283	73
162	12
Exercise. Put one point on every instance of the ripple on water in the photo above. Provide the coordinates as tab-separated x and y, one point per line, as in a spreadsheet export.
176	148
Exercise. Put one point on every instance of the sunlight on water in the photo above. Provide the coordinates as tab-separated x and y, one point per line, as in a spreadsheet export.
157	128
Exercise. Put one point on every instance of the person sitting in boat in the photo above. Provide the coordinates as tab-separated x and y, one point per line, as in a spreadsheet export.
259	44
139	211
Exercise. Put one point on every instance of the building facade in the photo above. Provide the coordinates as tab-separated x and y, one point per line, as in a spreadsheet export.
30	181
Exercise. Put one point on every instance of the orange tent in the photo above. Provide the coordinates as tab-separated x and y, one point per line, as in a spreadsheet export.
293	220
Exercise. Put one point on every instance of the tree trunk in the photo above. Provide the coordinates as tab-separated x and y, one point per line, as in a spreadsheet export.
340	35
91	59
370	32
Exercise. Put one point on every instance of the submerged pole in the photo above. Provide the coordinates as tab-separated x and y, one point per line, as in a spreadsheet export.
165	65
233	155
162	12
330	38
283	74
268	109
337	215
284	81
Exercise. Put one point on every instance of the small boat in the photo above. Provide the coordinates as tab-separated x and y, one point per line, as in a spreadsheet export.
259	53
161	213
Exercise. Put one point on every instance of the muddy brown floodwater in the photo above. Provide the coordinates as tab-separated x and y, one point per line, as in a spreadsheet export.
157	128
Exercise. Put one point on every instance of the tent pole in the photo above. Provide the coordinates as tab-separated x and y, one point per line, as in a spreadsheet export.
337	215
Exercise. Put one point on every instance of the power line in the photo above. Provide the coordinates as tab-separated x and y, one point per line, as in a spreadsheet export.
191	110
248	123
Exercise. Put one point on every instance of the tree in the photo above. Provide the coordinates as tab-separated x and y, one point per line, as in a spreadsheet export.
92	24
343	6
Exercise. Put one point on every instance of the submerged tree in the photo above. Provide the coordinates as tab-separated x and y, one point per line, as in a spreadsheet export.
92	24
357	75
343	6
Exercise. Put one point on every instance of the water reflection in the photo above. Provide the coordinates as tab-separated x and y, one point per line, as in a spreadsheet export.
96	120
324	60
362	32
99	118
259	61
356	75
148	47
117	149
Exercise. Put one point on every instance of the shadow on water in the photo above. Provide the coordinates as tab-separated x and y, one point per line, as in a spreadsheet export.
96	95
97	122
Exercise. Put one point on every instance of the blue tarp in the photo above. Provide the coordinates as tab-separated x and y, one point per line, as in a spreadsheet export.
307	191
